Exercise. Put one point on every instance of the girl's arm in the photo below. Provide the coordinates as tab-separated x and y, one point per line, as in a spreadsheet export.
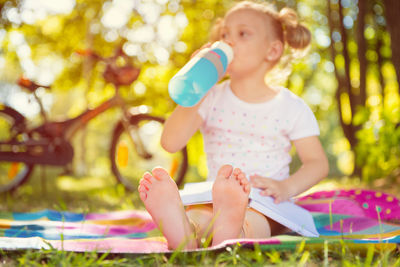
180	127
182	124
314	168
315	165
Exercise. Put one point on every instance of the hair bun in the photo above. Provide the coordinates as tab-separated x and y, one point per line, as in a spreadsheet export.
296	35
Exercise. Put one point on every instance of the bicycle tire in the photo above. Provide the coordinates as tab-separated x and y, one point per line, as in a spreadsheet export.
135	165
12	174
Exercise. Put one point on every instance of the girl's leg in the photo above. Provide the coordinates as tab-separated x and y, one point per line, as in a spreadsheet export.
200	216
160	196
257	225
230	199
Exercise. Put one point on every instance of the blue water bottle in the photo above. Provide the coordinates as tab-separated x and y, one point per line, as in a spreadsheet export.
203	71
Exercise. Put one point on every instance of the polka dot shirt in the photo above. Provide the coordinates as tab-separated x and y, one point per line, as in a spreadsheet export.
253	137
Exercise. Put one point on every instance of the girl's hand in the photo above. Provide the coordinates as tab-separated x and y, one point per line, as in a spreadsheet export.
270	187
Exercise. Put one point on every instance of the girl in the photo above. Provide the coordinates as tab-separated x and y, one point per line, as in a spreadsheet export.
247	124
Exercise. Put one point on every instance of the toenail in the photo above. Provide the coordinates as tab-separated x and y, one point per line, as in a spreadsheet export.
143	195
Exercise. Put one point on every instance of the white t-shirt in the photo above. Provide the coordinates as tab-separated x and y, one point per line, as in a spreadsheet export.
253	137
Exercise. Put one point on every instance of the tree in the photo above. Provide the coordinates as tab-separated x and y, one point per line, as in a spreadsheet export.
353	91
350	70
392	10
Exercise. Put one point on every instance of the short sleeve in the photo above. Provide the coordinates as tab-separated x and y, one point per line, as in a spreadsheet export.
208	101
305	124
205	106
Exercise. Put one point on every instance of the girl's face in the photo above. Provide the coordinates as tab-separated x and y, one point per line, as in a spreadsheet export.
246	30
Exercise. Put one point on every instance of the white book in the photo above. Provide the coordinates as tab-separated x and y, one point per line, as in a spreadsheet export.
286	213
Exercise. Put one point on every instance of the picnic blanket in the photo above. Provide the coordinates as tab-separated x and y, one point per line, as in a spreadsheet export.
349	216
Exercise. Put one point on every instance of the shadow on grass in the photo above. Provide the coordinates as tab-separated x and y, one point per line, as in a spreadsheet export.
69	193
47	189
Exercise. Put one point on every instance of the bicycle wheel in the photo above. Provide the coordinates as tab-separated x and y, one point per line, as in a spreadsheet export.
12	174
140	151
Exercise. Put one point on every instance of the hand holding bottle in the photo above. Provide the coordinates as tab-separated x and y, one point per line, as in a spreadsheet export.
201	73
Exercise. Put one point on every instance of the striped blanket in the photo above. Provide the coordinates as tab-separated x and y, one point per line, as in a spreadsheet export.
354	217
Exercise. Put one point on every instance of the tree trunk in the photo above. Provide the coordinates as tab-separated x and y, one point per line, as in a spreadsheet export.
346	78
392	11
344	82
360	96
339	78
362	49
380	60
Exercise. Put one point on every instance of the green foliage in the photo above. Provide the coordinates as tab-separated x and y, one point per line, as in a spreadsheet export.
235	255
378	148
74	194
49	43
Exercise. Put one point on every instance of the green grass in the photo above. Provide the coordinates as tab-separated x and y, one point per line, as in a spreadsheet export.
98	194
236	255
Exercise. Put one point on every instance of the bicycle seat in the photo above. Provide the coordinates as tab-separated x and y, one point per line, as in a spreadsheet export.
30	85
121	75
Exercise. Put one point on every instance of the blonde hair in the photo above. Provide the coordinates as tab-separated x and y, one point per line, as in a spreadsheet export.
286	28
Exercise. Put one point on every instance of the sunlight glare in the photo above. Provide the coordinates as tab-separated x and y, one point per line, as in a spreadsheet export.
33	10
180	47
167	30
313	95
322	38
118	13
139	88
13	16
47	70
24	103
150	12
16	38
181	20
144	34
161	54
132	49
345	162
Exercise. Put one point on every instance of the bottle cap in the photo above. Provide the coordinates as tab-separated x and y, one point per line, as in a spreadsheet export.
226	48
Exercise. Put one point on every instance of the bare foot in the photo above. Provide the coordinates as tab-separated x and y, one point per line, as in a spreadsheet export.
230	199
160	196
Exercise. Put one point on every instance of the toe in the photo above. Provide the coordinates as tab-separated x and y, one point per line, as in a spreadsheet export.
147	176
247	188
143	196
225	171
243	179
145	183
160	173
141	187
142	191
237	171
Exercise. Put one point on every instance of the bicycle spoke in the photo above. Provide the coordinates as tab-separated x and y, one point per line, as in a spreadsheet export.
12	174
139	150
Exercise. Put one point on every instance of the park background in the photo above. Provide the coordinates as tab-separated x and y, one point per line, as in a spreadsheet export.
348	78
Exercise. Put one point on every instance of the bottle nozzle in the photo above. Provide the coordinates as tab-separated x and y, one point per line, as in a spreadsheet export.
224	47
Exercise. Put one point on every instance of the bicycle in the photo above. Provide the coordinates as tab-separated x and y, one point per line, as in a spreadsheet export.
135	146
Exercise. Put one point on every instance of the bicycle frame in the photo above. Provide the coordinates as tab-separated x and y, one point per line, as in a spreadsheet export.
53	146
51	142
89	114
71	126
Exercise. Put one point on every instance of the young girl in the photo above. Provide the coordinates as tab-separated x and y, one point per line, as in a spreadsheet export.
248	128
